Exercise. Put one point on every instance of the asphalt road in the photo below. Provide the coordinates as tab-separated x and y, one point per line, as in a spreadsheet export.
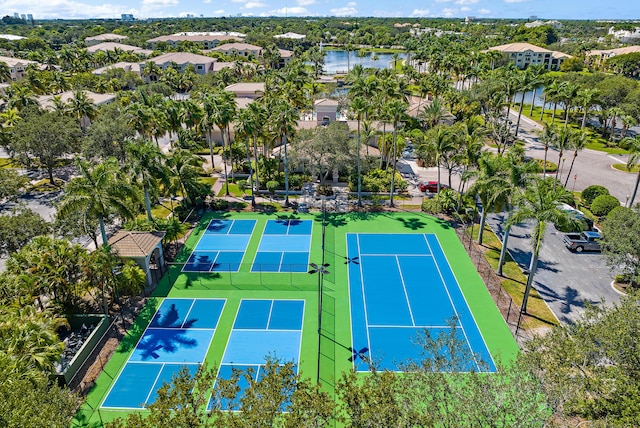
565	280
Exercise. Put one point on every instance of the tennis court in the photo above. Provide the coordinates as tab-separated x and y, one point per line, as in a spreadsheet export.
221	247
399	285
262	328
179	335
284	246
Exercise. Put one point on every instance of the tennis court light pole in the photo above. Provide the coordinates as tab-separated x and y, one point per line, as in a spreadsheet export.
320	270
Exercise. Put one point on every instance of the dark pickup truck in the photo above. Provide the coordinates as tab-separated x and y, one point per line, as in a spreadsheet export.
580	242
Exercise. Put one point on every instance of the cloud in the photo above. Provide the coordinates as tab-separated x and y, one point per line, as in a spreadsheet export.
253	5
448	12
296	10
305	2
161	3
348	10
420	12
466	1
515	1
465	9
484	11
218	12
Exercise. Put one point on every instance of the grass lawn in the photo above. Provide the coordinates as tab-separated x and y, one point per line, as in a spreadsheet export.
9	163
515	282
622	167
45	185
160	211
234	190
596	142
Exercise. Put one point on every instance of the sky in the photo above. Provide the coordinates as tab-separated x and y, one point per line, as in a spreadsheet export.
547	9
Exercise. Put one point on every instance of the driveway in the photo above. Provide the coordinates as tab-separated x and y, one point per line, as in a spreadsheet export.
565	280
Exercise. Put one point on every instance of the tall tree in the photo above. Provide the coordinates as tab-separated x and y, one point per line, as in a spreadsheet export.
81	106
634	160
146	163
359	107
539	203
284	117
397	110
100	190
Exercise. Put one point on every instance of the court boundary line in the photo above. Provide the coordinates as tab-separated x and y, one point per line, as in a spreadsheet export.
467	303
128	360
404	288
155	381
269	316
255	221
310	235
346	244
455	309
364	301
408	326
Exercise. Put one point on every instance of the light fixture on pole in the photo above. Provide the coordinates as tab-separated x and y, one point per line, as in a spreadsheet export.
321	270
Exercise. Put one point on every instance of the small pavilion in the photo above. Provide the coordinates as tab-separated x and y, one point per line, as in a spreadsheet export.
144	248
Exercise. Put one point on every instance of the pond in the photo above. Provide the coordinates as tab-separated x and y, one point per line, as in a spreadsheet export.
336	62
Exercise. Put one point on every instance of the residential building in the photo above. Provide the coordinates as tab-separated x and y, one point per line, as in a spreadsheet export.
285	57
598	56
207	41
17	66
126	66
201	64
111	46
525	54
553	23
251	90
107	37
47	102
625	36
127	17
326	111
239	49
10	37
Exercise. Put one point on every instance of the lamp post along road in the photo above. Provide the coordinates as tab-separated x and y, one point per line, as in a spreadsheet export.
321	270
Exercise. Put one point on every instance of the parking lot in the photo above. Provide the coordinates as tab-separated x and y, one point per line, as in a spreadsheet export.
565	280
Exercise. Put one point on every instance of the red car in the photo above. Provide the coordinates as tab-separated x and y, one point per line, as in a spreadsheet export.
431	186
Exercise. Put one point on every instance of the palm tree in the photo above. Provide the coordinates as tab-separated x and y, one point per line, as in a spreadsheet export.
5	73
537	78
569	95
100	190
441	140
82	107
540	202
397	110
634	159
359	107
577	143
145	161
520	175
587	97
248	128
223	113
284	117
184	168
548	136
562	142
20	97
525	81
490	186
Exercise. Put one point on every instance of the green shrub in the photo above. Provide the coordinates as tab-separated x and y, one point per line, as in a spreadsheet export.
219	204
272	186
604	204
592	192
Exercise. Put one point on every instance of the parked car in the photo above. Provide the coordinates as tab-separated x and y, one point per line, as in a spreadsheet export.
580	242
431	186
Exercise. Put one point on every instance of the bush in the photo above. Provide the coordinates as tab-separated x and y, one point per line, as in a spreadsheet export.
592	192
604	204
272	186
219	205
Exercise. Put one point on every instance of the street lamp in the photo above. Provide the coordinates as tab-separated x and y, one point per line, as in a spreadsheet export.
321	270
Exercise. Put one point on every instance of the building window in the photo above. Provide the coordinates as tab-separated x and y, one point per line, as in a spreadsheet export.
200	67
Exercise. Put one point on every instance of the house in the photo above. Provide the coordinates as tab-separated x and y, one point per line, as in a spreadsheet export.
239	49
326	110
201	64
537	23
112	46
126	66
206	40
525	54
598	56
48	101
285	57
107	37
17	66
251	90
144	248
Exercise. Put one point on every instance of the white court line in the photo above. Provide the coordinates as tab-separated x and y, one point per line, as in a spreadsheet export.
455	310
266	327
467	303
151	391
404	288
364	299
408	326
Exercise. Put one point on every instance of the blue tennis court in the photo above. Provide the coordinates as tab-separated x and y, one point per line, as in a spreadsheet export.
399	285
221	247
262	328
179	335
284	246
